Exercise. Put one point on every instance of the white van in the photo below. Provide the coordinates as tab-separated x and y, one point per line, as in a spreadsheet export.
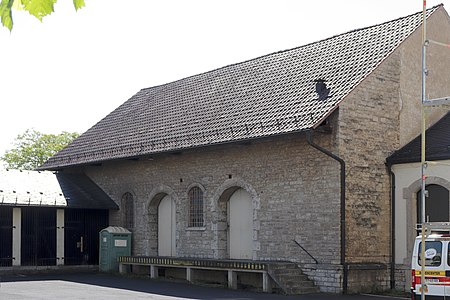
437	263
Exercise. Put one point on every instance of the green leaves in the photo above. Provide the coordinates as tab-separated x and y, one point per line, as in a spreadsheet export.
33	148
5	13
37	8
78	4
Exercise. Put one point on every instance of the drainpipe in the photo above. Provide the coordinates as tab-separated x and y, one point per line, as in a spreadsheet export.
392	226
309	137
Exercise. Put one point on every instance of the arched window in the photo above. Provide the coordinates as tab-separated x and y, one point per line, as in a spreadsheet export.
128	210
195	207
437	207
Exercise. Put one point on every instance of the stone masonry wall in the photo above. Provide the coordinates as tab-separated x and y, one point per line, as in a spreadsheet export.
438	79
368	133
295	191
382	114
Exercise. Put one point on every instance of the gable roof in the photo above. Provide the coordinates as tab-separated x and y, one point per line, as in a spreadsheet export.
270	95
34	188
437	145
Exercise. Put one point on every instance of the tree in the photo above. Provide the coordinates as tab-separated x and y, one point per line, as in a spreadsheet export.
37	8
33	148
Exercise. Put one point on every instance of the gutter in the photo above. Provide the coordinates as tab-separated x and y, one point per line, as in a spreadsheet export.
309	137
392	267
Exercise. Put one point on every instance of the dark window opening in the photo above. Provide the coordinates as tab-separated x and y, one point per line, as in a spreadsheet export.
6	229
436	204
195	207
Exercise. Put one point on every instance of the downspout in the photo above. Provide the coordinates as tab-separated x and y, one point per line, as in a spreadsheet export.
392	226
309	137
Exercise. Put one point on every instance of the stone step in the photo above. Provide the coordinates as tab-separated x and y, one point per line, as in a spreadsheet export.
291	279
296	272
287	265
294	278
287	272
297	283
302	290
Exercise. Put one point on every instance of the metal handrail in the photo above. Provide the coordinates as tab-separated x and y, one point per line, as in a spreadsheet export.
306	251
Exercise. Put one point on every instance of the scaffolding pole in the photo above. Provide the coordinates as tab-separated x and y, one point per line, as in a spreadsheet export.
423	283
426	103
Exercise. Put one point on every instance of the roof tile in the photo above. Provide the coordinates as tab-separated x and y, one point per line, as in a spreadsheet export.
269	95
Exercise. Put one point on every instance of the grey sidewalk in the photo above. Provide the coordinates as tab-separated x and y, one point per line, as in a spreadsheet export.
111	287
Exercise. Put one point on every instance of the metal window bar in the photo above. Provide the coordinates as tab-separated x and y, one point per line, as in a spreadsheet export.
195	207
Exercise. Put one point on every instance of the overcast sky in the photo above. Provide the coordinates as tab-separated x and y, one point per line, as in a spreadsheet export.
71	70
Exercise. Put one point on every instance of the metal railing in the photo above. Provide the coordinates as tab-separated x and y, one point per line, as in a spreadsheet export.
306	251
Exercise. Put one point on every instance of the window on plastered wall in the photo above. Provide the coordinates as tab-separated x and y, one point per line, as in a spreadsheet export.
196	207
128	210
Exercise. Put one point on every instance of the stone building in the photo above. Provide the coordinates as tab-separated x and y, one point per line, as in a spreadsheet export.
279	158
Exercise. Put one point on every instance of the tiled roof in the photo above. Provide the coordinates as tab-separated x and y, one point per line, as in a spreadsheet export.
33	188
437	145
269	95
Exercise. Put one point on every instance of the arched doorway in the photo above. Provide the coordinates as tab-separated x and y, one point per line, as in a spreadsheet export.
166	227
240	220
437	208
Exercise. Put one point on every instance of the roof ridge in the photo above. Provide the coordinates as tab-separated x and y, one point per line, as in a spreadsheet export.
430	11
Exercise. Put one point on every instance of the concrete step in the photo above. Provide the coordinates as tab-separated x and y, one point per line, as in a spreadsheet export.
291	279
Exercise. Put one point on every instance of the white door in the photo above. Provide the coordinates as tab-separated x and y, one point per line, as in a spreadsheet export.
166	227
241	225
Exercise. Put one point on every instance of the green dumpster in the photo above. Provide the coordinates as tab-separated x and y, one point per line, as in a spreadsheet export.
114	242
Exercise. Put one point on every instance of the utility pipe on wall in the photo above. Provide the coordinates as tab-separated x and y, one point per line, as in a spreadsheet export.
309	137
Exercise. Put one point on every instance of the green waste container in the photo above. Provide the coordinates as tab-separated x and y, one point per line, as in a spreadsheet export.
114	242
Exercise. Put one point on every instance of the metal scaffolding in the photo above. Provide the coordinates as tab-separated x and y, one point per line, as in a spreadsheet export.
426	103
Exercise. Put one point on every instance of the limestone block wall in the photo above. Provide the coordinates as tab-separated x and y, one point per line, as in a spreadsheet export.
438	79
294	189
295	192
368	133
381	115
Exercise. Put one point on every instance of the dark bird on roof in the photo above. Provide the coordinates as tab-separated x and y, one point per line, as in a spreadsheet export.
321	89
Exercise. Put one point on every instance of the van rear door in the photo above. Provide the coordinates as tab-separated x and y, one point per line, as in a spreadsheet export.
434	267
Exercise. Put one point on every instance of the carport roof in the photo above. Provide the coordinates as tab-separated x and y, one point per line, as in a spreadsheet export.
44	188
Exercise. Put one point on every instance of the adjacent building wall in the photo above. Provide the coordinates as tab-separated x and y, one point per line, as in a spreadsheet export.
407	184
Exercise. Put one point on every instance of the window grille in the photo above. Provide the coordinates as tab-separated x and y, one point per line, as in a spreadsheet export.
128	213
195	207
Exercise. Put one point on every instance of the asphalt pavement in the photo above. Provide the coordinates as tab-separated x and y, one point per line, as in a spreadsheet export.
98	286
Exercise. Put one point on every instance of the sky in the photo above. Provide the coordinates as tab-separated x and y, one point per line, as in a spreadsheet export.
71	70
